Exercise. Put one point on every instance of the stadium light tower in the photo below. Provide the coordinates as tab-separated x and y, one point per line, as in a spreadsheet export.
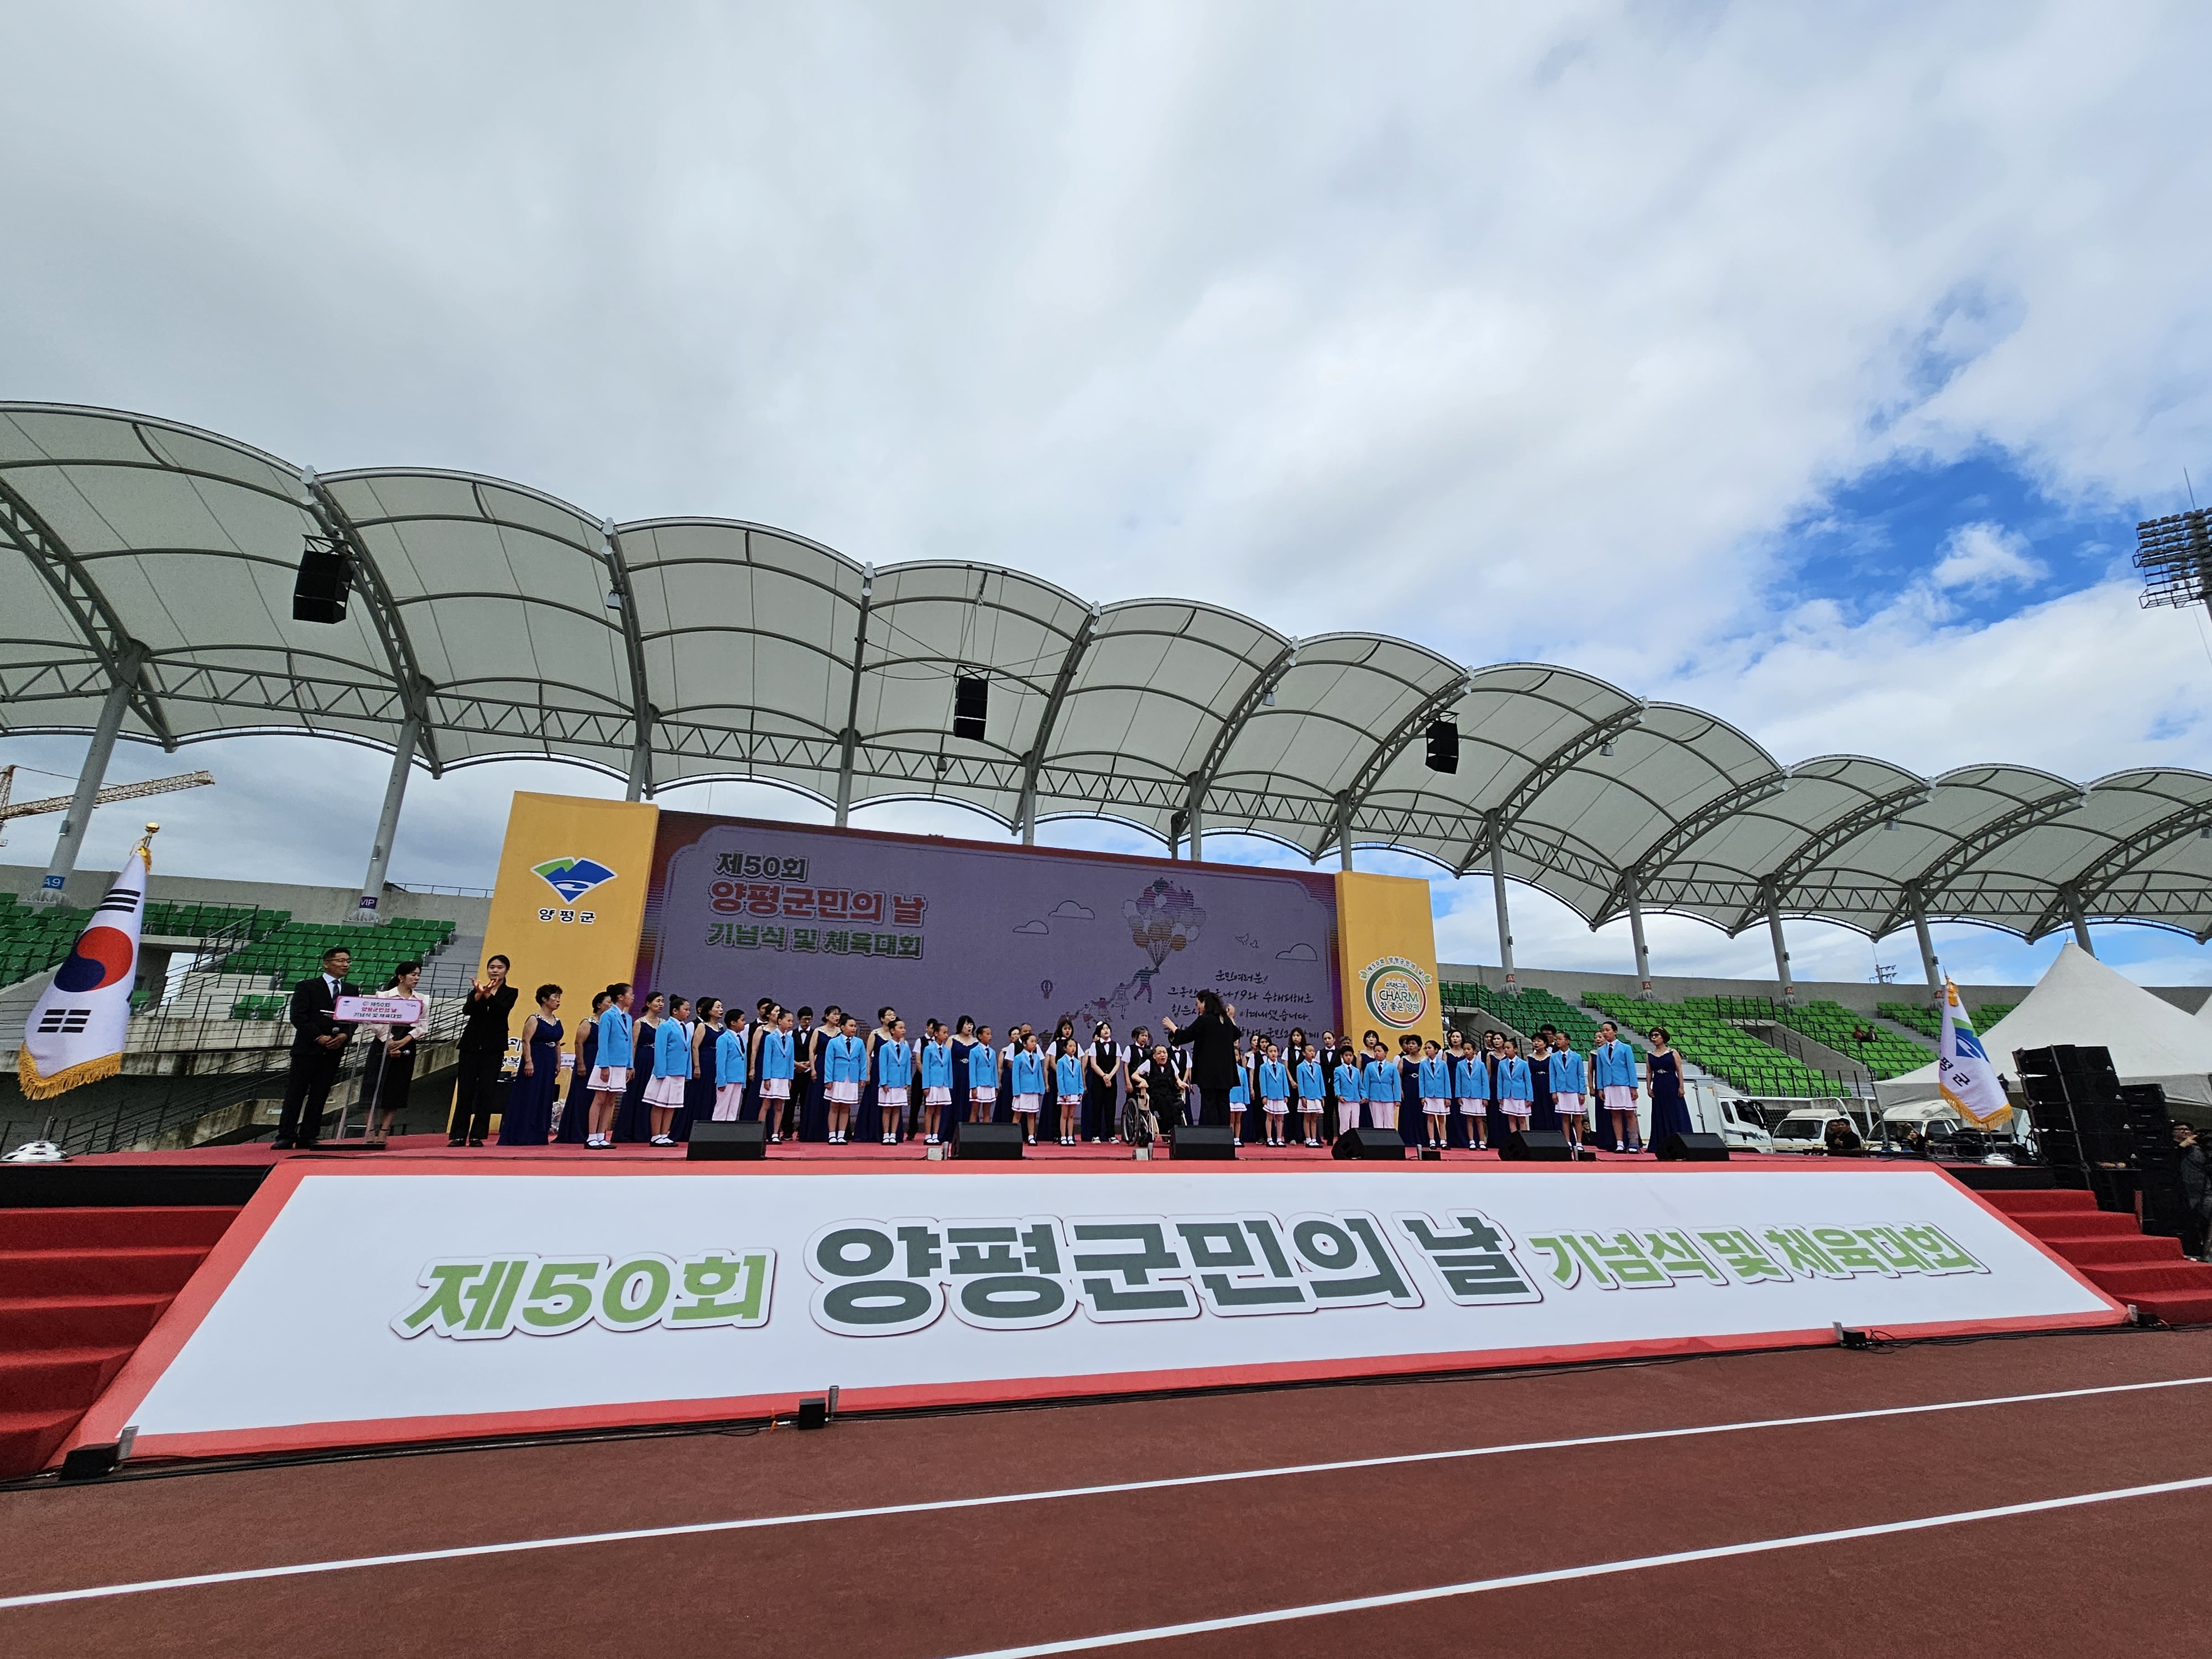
2175	555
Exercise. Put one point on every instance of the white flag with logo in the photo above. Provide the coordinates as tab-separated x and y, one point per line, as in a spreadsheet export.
76	1032
1969	1082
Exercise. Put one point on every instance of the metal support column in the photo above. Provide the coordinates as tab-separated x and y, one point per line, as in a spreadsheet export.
1781	949
68	843
1643	950
1344	834
851	737
387	824
1504	920
1195	813
1927	949
2073	910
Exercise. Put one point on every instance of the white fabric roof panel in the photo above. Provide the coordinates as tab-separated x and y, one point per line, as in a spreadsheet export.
483	605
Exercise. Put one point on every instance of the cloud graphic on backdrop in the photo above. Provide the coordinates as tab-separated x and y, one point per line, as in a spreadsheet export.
1163	920
1299	953
1069	910
1033	926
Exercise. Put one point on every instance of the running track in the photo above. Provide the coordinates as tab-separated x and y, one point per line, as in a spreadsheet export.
2098	1564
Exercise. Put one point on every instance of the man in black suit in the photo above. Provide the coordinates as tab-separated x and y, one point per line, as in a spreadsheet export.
1213	1039
318	1044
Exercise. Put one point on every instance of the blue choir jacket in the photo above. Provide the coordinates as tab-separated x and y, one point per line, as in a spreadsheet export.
1513	1082
1435	1079
730	1056
936	1065
1613	1065
1471	1078
1275	1080
1028	1072
1348	1084
845	1061
775	1055
614	1033
671	1049
1067	1072
1310	1085
1567	1073
1382	1081
983	1067
894	1064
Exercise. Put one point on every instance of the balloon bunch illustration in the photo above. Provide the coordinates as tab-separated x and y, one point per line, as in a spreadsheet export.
1163	920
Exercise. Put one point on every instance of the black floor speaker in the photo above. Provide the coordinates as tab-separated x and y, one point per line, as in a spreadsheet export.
1000	1140
713	1139
1204	1141
1536	1146
1694	1148
1371	1144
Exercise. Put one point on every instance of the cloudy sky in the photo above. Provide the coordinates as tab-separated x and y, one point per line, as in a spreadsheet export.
1811	365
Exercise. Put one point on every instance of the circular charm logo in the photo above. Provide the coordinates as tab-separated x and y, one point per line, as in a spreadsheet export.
1397	992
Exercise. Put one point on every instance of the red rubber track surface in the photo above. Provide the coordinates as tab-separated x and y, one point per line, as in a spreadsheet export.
2102	1577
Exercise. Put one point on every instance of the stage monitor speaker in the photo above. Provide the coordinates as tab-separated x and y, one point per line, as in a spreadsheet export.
814	1413
717	1141
1680	1148
1204	1141
319	594
996	1140
1443	746
972	704
1535	1146
1384	1144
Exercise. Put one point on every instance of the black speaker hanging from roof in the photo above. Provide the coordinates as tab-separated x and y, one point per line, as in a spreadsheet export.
971	703
319	594
1443	746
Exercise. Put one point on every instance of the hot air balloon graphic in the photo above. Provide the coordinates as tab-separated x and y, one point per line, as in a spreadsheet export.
1163	920
1045	986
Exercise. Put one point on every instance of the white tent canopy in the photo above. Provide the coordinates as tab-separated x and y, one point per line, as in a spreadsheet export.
2081	1001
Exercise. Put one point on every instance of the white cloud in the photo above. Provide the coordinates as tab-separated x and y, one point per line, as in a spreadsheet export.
1982	557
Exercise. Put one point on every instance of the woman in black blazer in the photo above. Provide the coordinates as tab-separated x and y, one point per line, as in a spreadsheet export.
1213	1039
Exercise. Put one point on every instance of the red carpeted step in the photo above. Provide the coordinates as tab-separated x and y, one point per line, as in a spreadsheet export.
56	1379
2176	1307
62	1322
2133	1281
2112	1249
2041	1200
86	1229
2078	1224
67	1272
28	1439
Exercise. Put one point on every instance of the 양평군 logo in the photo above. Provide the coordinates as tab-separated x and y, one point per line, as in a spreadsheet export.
572	877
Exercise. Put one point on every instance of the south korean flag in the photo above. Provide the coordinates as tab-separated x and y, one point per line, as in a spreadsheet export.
75	1031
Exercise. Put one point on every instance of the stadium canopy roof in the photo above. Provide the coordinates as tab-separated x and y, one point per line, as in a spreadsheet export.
498	623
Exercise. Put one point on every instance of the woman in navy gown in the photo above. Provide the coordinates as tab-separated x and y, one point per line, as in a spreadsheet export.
576	1110
633	1118
528	1119
699	1088
1670	1113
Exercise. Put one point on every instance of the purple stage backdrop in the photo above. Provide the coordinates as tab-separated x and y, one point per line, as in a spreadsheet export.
741	909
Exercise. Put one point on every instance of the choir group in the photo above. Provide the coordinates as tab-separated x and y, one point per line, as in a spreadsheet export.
648	1074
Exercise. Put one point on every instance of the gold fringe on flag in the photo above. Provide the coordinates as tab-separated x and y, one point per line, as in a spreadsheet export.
35	1087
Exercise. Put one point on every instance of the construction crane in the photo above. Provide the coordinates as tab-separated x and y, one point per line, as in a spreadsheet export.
14	809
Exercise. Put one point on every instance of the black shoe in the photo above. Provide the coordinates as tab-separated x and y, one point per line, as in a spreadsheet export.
476	1143
280	1145
457	1142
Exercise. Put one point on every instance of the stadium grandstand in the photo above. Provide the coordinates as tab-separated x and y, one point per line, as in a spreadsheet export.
150	588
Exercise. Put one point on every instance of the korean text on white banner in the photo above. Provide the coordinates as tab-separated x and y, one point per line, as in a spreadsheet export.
409	1302
77	1029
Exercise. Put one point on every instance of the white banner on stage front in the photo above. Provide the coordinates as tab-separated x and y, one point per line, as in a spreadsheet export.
413	1301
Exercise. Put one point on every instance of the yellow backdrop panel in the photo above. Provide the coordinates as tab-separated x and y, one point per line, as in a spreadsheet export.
570	900
1387	956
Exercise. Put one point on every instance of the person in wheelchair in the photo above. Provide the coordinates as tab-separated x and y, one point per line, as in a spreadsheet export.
1140	1128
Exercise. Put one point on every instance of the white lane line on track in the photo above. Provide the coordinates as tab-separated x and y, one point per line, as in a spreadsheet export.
467	1551
1596	1570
